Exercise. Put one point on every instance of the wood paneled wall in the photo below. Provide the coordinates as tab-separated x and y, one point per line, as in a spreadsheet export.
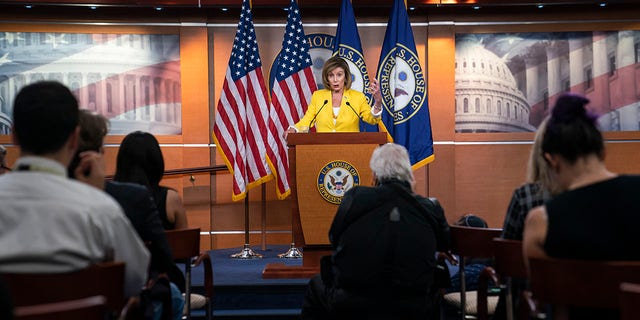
472	173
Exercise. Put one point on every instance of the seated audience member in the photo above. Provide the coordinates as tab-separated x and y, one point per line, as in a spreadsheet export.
473	266
534	193
139	207
3	161
51	223
140	161
384	239
595	218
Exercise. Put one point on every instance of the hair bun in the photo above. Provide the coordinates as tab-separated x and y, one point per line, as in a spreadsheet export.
570	107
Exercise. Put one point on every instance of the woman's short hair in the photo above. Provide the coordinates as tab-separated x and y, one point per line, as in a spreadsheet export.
332	63
471	220
391	161
3	155
93	128
572	131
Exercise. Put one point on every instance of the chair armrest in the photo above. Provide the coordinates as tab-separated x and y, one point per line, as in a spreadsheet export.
205	259
488	273
131	310
532	306
447	256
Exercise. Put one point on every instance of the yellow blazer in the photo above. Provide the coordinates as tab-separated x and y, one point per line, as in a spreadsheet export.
347	120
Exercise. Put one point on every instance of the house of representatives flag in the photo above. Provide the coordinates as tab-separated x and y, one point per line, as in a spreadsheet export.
242	111
348	47
290	95
403	87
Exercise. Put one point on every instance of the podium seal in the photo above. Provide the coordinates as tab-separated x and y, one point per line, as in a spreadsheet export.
336	178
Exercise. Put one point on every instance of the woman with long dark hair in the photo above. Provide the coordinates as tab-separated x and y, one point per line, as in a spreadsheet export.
140	161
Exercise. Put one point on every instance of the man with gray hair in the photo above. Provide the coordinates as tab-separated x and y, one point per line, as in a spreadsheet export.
384	241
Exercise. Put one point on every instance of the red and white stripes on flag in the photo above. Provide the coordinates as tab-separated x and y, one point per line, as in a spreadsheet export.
294	83
242	111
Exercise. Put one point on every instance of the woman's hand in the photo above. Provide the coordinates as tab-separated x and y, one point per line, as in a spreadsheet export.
90	169
289	130
374	89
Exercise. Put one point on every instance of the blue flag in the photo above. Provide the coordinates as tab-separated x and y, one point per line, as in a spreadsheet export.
348	47
404	90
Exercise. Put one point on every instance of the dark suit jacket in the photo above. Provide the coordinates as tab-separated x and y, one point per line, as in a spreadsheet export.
385	238
138	205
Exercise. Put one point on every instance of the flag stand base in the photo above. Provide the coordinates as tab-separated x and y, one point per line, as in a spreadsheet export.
292	253
246	253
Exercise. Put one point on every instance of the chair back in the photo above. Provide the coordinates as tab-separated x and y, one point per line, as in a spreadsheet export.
508	258
185	247
509	265
473	242
580	283
470	242
629	300
91	308
184	243
106	279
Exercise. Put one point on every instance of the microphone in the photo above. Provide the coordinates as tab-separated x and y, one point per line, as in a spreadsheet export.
314	116
354	110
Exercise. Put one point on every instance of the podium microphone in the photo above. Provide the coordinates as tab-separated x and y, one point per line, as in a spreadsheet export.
354	110
315	115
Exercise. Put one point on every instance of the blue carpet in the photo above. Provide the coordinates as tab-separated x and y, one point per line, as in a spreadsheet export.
237	272
241	293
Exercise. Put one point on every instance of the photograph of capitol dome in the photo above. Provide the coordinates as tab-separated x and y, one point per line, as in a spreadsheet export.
507	82
132	79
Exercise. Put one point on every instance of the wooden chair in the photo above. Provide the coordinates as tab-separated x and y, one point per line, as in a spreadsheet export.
91	308
106	279
629	300
568	284
508	265
185	246
468	242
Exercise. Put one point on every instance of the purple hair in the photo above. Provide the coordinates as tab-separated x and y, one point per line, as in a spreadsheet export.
571	106
572	131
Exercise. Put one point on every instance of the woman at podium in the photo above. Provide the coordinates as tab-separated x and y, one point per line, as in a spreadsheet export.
338	108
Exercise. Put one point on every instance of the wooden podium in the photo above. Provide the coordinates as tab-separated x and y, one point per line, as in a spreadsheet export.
321	167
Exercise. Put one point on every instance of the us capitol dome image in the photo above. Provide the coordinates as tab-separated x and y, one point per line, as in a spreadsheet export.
132	79
487	96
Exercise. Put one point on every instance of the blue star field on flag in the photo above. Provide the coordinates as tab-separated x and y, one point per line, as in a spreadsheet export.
295	48
244	55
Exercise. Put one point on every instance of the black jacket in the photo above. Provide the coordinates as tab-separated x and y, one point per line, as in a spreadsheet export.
385	239
138	205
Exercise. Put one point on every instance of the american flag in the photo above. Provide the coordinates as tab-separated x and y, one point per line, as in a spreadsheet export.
242	111
290	95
